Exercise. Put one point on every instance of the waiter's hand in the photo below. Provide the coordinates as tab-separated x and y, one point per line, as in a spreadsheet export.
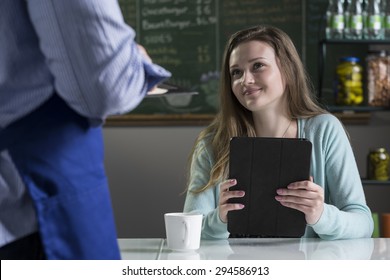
144	52
224	195
305	196
147	57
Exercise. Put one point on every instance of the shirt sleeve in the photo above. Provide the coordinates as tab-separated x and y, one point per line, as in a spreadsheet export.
205	202
346	214
91	53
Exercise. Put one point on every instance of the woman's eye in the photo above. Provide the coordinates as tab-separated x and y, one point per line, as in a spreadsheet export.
235	73
257	66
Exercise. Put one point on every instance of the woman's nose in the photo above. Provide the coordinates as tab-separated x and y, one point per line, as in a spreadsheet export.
247	78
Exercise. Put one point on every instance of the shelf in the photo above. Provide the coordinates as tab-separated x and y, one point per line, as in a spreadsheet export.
350	117
375	182
356	109
355	114
353	42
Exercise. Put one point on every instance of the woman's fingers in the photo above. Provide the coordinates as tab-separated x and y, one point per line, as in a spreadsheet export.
225	195
305	196
227	184
225	208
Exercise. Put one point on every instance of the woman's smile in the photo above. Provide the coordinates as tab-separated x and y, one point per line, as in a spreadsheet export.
251	91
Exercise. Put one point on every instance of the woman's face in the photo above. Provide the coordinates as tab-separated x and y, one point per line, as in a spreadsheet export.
256	79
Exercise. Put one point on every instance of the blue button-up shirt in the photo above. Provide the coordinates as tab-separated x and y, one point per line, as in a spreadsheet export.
80	49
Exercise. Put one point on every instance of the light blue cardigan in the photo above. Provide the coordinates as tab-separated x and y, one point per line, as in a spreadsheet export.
333	166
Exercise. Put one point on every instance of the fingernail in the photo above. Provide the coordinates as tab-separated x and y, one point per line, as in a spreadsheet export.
241	206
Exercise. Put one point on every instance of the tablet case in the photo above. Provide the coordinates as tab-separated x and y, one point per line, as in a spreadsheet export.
262	165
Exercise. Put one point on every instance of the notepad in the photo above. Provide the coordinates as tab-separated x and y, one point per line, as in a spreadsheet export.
261	166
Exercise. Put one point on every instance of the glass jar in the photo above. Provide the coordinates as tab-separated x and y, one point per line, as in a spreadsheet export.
349	86
378	78
378	164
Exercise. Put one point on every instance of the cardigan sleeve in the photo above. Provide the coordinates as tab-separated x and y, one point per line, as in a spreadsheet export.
346	214
205	202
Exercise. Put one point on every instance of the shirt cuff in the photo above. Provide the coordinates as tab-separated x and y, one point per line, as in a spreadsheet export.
155	74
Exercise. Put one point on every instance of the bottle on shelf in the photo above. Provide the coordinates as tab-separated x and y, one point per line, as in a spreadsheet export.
337	21
387	19
328	27
349	82
346	5
364	12
374	22
354	20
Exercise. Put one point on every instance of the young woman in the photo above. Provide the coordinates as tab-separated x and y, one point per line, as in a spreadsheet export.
265	92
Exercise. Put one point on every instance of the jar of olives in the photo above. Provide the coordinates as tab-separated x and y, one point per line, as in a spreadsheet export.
349	86
378	164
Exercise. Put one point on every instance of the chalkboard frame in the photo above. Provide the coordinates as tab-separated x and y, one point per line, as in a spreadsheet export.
160	120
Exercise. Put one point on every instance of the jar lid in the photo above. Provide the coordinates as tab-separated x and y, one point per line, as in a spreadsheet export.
379	52
378	150
349	59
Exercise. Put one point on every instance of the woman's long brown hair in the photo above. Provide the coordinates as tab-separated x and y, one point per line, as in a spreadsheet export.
235	120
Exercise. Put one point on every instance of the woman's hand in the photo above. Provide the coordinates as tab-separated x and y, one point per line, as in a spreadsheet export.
224	195
305	196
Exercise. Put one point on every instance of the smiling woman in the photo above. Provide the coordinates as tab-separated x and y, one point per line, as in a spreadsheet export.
265	92
255	77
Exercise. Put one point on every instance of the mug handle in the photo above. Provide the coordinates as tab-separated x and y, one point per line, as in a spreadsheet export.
186	234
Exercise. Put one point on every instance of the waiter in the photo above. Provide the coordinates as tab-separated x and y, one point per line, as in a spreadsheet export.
65	66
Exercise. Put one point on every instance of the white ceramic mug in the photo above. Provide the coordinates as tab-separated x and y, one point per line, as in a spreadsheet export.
183	230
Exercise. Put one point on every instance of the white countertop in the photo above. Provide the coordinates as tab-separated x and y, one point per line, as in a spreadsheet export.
260	248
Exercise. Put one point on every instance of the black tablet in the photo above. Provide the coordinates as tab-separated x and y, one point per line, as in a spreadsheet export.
261	166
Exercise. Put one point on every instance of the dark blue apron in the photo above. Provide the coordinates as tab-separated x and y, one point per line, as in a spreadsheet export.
60	158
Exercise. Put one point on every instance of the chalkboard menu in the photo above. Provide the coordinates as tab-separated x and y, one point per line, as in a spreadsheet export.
187	37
